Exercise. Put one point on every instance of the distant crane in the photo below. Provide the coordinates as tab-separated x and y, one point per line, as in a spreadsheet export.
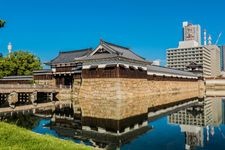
218	38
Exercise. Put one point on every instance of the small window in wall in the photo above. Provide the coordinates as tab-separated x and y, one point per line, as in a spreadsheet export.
132	68
94	67
111	66
140	69
122	66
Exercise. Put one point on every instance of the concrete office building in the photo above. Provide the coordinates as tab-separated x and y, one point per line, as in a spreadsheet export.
190	55
191	32
215	60
222	57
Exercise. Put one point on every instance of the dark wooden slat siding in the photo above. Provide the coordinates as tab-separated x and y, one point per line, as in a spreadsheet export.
16	81
132	73
113	72
122	72
110	72
64	69
166	78
43	77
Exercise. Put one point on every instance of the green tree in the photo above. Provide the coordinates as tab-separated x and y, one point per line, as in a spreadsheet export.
2	23
19	63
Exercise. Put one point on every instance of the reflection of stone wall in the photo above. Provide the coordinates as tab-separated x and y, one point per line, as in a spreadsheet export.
215	87
117	98
64	95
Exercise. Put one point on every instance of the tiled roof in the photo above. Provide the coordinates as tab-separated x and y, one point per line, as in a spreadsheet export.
99	56
159	69
115	50
17	78
42	71
123	51
87	54
69	56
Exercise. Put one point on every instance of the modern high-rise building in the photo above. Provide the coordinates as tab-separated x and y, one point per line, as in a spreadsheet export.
215	60
191	32
192	56
222	57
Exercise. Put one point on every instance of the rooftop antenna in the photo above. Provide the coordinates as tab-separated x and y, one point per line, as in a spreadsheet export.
9	47
210	40
218	38
185	23
205	37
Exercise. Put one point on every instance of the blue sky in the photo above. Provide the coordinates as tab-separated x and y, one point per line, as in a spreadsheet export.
149	27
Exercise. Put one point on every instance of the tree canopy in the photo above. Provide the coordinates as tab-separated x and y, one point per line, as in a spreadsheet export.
2	23
19	63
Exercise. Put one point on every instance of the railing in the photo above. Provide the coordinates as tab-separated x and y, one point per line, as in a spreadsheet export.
33	86
23	86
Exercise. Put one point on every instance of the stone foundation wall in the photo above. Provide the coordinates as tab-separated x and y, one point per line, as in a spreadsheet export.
46	82
119	98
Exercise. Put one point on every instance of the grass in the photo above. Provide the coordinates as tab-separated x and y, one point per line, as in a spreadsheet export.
16	138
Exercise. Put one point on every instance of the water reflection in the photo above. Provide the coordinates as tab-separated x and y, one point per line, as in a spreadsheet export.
194	124
192	121
27	120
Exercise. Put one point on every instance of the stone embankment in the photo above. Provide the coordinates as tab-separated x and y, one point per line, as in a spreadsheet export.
121	98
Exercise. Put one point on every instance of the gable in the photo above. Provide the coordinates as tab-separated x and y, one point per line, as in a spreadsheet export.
101	51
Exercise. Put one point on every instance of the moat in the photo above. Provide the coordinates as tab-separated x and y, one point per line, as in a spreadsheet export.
197	123
112	98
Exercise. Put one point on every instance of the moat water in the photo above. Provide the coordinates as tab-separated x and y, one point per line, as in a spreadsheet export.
200	126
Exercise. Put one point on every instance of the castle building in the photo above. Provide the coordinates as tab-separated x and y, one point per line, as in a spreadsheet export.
107	82
108	60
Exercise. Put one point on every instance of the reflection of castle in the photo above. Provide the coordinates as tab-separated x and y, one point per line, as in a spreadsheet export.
193	120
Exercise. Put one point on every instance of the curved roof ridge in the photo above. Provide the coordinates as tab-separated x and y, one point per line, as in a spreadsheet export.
79	50
136	54
112	44
69	56
128	49
110	48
